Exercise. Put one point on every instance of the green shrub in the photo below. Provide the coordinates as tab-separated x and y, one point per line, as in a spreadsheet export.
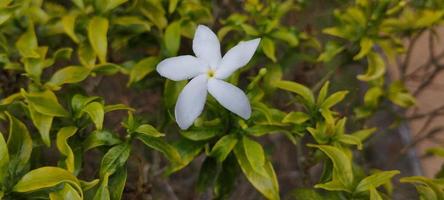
53	54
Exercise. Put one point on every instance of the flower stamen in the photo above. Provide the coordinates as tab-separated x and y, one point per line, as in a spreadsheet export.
210	73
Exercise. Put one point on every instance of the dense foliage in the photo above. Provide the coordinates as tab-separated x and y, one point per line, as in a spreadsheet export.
53	54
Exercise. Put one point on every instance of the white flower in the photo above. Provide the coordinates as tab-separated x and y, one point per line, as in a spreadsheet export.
207	71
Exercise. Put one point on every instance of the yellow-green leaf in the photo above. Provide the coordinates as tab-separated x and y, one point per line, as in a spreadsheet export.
265	182
96	112
172	38
375	180
374	194
102	192
148	130
27	44
375	69
299	89
43	124
46	103
268	47
86	55
70	74
342	167
366	45
115	158
46	177
68	22
333	99
143	68
296	118
172	4
223	147
19	143
97	35
4	159
62	144
67	193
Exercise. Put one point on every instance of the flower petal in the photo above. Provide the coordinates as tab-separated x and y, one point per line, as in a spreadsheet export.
191	101
181	67
236	57
206	46
230	97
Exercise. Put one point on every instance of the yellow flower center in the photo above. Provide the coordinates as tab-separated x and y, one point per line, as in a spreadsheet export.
210	73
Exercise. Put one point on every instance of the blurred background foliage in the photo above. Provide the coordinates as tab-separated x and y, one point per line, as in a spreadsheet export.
86	116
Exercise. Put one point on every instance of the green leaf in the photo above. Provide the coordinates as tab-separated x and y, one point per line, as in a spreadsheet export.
62	145
110	108
97	35
155	12
128	21
171	92
148	130
70	74
265	181
331	50
255	154
374	194
296	118
260	130
117	183
269	48
19	143
68	22
430	183
375	180
62	54
4	159
366	45
107	69
399	95
43	124
426	193
46	103
198	134
306	193
115	158
250	30
363	134
27	44
350	139
428	18
208	174
437	151
160	145
102	192
223	147
287	36
107	5
88	185
142	68
96	112
323	93
78	101
299	89
376	67
100	138
333	99
46	177
187	150
87	55
172	38
342	168
172	4
68	192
